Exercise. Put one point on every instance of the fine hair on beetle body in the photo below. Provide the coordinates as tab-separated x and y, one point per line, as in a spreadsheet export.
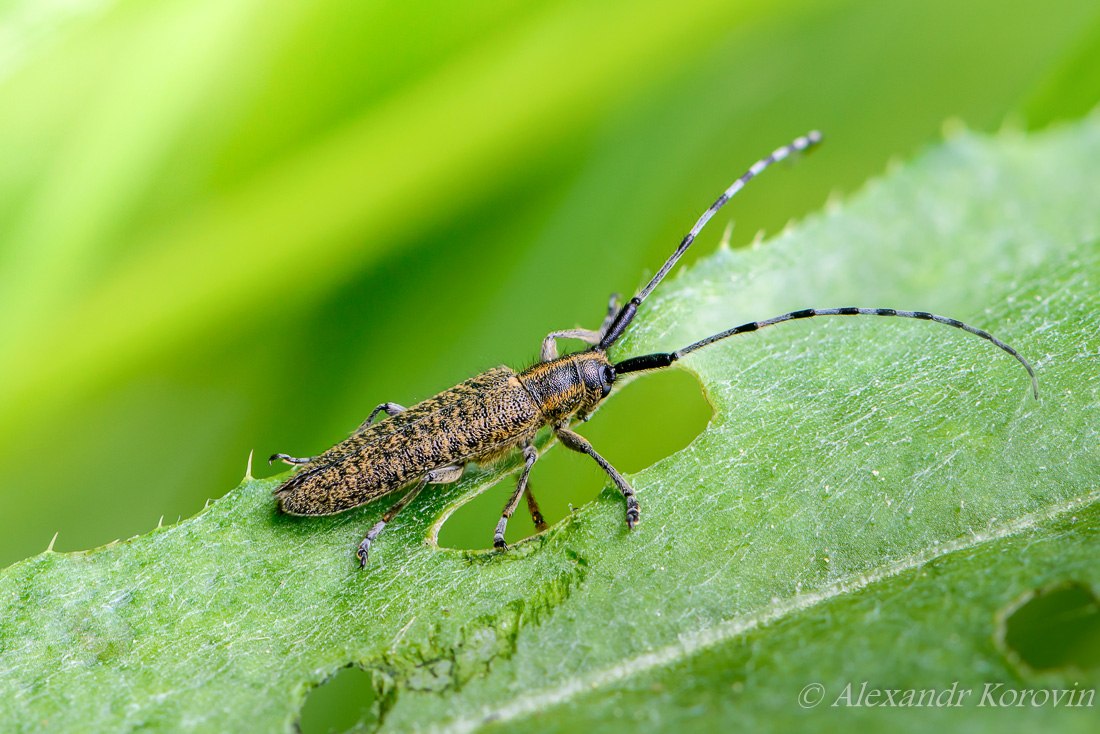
498	412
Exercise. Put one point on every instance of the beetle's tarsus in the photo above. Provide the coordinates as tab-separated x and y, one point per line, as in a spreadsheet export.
633	513
364	547
502	525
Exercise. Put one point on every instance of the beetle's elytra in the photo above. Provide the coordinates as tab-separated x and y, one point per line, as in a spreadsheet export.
499	411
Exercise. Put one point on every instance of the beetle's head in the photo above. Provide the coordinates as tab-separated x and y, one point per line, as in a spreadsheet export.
597	377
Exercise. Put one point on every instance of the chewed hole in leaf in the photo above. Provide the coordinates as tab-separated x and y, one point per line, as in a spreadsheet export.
346	702
651	417
1057	627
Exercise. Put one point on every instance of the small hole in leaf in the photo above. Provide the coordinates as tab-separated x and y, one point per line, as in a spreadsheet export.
1054	627
343	703
651	417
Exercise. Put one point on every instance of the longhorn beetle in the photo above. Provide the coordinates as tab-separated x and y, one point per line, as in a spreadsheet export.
499	411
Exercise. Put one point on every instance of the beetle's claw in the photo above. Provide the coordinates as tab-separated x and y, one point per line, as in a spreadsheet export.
499	544
362	551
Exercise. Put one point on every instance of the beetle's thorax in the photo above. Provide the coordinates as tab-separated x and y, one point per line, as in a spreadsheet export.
573	384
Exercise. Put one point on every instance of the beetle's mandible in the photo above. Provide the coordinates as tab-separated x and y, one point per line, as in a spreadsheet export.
497	412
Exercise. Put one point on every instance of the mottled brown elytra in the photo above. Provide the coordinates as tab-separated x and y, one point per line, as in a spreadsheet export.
497	412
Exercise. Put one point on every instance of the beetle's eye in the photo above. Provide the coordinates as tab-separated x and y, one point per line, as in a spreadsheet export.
607	376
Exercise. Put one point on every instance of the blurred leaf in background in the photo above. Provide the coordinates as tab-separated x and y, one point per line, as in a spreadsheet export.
237	226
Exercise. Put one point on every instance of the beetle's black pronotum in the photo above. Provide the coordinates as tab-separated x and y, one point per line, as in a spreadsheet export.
497	412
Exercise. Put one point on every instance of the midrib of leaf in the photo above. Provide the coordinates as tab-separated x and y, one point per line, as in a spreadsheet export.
806	480
701	639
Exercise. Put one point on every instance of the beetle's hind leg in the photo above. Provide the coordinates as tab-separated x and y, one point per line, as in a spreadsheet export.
579	443
530	455
442	475
391	409
588	336
288	459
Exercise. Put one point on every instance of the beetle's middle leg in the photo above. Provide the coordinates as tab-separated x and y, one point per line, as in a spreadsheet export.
530	455
579	443
442	475
588	336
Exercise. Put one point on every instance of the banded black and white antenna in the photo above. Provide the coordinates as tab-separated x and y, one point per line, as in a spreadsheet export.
627	312
663	359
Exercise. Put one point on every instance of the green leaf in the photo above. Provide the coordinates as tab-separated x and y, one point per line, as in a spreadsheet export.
868	498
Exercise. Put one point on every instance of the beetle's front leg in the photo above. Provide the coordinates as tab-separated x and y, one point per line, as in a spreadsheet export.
442	475
549	350
579	443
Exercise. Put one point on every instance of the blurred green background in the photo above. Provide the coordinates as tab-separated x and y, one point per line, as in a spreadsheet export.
235	226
